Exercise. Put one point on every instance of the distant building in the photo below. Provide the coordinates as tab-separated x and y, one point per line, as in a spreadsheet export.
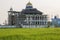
28	18
56	21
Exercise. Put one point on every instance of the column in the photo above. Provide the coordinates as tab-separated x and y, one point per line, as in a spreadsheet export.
27	19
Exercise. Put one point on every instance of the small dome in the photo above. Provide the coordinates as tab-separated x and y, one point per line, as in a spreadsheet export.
11	9
29	3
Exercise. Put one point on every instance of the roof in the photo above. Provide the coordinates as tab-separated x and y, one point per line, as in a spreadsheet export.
14	11
31	11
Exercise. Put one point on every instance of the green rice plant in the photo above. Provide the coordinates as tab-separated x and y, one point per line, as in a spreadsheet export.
30	34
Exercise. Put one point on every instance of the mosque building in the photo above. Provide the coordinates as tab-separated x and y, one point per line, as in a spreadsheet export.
55	21
27	18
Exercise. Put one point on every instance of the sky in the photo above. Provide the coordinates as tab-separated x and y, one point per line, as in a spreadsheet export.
49	7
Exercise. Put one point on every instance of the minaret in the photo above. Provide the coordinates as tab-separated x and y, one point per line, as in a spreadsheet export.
10	16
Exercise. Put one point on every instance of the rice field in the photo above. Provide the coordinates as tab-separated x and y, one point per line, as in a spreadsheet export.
30	34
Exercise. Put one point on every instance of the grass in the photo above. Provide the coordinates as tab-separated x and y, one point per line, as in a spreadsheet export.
30	34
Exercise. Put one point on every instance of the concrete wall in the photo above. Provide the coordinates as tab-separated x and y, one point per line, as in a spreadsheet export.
34	26
7	26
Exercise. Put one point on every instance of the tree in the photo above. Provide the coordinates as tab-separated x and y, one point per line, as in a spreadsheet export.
49	23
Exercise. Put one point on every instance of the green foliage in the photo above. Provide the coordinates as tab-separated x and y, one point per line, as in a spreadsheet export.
49	23
30	34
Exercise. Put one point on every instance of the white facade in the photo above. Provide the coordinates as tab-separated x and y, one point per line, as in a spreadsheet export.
28	18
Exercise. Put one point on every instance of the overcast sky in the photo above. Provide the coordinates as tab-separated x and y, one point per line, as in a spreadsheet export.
49	7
